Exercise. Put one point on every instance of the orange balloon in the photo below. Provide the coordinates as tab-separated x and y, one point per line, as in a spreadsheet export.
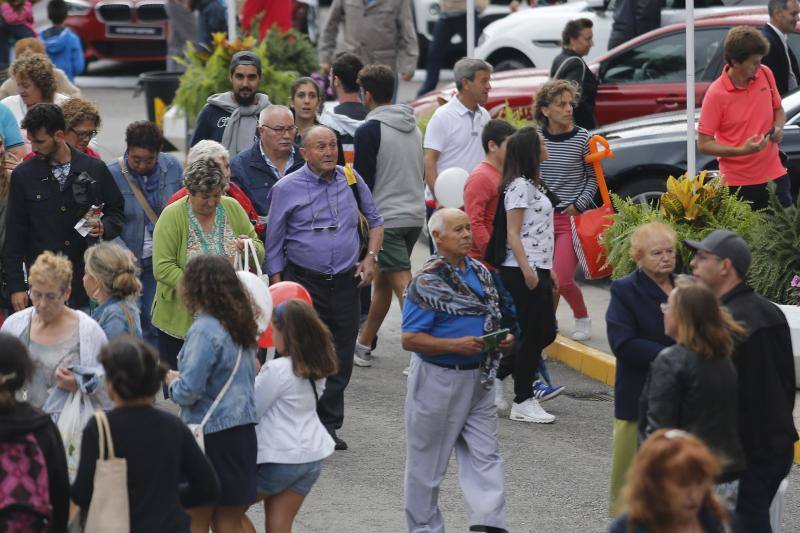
281	292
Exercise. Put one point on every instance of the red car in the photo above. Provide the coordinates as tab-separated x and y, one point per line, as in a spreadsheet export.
121	30
643	76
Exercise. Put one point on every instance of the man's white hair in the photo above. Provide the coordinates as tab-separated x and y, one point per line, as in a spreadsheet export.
272	108
436	223
206	149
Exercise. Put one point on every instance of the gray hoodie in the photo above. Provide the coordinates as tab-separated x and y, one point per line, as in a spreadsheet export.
395	164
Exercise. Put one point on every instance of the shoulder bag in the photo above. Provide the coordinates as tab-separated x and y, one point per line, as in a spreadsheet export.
109	509
363	225
197	429
137	192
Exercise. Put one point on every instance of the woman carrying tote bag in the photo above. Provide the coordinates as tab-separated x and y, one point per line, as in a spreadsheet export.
166	471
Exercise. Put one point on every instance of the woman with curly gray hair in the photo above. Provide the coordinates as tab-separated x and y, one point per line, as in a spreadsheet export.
36	82
205	221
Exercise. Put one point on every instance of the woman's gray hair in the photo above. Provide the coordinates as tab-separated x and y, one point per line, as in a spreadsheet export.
467	67
206	149
204	175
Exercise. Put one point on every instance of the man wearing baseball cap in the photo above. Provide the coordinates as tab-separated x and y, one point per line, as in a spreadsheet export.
231	118
765	366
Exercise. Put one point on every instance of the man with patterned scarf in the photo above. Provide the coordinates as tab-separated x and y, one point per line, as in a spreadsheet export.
449	305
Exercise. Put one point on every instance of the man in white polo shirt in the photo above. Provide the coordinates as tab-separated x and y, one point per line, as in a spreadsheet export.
453	135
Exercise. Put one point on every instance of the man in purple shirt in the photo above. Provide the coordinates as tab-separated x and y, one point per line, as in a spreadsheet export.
312	239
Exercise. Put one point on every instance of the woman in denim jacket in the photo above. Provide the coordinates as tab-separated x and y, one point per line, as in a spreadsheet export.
110	280
225	327
158	176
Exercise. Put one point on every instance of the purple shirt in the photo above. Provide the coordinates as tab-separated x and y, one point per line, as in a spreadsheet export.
302	201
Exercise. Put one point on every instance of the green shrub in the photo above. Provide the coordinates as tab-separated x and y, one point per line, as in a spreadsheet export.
776	253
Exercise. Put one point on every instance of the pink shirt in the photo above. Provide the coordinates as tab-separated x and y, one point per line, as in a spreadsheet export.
733	115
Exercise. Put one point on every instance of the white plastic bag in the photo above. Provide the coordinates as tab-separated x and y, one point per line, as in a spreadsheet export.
242	261
77	411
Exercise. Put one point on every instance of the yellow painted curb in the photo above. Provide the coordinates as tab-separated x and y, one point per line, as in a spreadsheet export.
597	365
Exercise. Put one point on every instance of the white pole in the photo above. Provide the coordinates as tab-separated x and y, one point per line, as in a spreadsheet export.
231	5
470	28
690	132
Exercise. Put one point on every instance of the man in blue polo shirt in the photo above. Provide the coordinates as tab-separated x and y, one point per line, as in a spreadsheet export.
450	304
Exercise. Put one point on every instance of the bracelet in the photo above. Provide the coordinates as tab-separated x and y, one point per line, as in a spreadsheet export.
373	254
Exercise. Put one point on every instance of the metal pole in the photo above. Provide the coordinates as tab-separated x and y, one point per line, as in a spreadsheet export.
231	8
470	28
690	126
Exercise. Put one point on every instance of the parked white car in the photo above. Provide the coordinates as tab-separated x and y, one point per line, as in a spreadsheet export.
532	37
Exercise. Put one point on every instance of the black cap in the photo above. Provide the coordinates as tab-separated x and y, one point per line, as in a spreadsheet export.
727	245
247	58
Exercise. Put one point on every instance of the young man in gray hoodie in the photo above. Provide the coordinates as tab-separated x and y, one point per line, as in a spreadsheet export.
388	156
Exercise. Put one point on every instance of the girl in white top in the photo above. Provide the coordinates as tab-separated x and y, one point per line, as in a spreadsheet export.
292	442
526	272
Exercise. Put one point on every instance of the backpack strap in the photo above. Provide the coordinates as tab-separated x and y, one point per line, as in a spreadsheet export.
137	192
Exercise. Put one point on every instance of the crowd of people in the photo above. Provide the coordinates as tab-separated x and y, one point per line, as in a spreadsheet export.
120	287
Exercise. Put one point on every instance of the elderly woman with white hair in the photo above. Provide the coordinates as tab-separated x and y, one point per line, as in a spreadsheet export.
203	221
214	150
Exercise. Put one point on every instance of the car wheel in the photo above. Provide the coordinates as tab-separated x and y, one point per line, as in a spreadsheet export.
513	63
644	190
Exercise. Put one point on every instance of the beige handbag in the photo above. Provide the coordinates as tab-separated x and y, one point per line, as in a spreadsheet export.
109	509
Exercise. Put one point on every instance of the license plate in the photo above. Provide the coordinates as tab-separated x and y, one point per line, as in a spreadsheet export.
135	32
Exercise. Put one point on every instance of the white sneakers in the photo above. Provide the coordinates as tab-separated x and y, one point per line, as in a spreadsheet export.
499	401
583	329
530	411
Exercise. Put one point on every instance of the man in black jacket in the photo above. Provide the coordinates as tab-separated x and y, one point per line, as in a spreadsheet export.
49	194
783	17
765	366
577	39
633	18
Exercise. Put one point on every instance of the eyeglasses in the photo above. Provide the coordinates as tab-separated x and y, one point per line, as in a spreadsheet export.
281	131
85	135
49	297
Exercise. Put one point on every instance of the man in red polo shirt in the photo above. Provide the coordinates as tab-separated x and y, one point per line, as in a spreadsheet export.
483	185
741	121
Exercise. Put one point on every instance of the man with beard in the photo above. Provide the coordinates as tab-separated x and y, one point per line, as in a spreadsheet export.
231	118
49	194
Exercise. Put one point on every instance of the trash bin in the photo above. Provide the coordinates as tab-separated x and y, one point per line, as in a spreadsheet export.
159	89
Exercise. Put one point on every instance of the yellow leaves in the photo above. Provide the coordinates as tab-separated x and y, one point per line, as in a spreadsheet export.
689	198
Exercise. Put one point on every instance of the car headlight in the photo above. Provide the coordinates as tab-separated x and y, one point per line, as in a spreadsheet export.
78	7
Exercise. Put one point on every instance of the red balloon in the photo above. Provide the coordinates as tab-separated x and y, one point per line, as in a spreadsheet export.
281	292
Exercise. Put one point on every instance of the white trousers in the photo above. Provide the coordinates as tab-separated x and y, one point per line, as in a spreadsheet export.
447	409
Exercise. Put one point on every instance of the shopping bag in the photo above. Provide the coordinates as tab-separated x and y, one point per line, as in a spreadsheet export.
243	259
78	409
589	225
109	509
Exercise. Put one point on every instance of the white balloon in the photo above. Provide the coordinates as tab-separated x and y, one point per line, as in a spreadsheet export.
450	187
262	299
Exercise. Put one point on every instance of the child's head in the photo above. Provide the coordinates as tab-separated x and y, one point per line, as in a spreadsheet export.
298	332
132	367
16	366
57	11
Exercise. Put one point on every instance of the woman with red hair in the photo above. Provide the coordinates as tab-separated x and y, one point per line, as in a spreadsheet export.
671	488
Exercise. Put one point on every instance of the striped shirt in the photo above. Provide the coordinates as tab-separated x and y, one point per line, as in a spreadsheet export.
565	172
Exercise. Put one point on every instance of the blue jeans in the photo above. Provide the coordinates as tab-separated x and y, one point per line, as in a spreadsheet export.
149	332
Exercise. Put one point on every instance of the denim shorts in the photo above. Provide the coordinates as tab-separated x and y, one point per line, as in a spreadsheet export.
273	478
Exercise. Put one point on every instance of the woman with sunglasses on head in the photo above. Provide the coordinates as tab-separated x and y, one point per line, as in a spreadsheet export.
305	101
692	384
292	442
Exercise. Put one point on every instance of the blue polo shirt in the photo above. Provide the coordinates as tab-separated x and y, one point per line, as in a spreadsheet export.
445	325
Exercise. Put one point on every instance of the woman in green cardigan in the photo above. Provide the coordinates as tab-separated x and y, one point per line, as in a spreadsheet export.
204	222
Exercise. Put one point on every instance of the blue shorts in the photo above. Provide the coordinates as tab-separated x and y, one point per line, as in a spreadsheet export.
273	478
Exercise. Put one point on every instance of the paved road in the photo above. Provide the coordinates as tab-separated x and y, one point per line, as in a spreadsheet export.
556	475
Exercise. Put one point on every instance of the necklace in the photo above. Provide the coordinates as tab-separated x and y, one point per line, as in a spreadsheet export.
205	245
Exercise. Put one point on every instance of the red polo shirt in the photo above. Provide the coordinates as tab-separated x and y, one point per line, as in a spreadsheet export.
480	203
733	115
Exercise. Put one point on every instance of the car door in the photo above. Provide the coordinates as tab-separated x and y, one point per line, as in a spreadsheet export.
651	76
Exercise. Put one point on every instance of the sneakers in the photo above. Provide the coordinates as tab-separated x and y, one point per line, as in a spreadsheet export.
530	411
583	329
363	356
542	391
499	401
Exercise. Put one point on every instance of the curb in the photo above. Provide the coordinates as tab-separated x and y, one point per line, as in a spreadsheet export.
598	365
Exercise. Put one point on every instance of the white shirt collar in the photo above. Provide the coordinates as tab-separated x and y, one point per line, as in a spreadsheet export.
782	35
